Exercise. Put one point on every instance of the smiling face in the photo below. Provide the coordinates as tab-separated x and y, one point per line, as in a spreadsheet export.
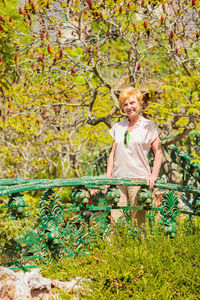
130	101
132	107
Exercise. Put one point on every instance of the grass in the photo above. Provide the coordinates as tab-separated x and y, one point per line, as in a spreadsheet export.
152	267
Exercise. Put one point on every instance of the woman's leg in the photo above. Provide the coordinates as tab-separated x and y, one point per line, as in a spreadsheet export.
123	201
138	215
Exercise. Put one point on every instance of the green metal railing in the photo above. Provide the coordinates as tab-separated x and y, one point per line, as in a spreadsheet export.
53	228
60	229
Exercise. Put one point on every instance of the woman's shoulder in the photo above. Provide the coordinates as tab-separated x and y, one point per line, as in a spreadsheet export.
118	128
122	123
148	123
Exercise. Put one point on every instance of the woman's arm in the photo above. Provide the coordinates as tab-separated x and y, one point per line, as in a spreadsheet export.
158	156
110	165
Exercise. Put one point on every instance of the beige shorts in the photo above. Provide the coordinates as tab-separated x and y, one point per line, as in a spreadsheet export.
128	194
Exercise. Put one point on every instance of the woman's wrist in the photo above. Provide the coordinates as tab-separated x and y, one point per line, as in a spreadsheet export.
154	176
108	176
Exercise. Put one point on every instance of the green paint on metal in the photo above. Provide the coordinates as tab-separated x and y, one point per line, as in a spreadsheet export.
88	182
145	198
169	211
16	206
54	234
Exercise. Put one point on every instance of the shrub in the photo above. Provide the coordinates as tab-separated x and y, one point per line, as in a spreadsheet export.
151	267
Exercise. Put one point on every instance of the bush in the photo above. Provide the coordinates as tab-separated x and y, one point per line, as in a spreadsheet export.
155	267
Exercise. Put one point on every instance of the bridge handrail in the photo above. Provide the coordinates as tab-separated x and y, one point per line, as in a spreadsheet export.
90	182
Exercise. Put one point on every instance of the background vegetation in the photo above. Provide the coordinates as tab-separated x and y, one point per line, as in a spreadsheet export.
142	268
63	63
62	66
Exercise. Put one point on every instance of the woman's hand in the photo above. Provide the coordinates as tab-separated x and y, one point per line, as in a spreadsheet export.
156	146
151	181
106	187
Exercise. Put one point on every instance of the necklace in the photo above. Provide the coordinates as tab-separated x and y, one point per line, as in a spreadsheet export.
126	138
127	134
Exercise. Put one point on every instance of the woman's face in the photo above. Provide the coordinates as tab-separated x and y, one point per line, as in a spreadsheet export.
131	107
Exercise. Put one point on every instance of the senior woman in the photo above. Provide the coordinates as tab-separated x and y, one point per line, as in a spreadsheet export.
133	139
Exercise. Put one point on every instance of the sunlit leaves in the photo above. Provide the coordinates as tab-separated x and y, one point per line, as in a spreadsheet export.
63	65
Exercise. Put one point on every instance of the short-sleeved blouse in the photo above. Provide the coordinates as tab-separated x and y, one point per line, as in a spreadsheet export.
132	161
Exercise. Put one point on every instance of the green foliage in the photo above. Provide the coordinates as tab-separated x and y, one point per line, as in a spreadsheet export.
11	229
142	268
61	69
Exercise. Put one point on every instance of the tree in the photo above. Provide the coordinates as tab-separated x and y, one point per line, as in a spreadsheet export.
71	60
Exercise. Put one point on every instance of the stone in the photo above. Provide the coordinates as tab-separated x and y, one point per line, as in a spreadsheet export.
31	285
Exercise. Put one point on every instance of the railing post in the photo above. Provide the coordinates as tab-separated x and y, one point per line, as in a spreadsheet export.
16	206
169	211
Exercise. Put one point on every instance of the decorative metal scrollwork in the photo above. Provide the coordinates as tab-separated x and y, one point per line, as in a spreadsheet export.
145	198
190	169
169	211
81	196
16	206
54	233
112	196
196	204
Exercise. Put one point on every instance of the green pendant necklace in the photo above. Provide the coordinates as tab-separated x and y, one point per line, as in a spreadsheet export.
126	138
127	134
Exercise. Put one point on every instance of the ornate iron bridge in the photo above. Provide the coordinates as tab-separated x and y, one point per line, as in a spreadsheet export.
60	229
56	234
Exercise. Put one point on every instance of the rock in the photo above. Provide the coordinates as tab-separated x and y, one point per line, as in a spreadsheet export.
7	284
31	285
23	286
75	284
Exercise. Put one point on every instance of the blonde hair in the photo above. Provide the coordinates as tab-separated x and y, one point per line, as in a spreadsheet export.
127	92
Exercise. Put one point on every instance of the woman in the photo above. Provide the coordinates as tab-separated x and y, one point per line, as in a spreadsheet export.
133	139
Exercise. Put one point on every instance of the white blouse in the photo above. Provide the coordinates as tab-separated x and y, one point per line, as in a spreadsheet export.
132	161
